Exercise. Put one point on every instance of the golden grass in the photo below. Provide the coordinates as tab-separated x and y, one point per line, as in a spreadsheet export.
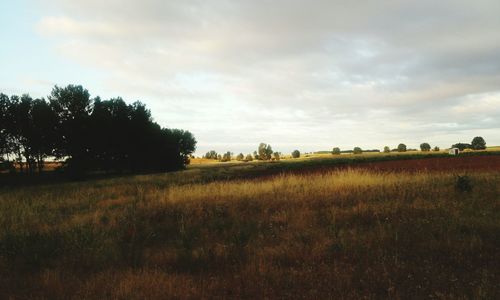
339	234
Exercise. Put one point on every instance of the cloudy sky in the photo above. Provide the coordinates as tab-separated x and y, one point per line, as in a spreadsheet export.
307	75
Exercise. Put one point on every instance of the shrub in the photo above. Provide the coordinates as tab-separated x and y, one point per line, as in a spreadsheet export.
296	154
463	183
436	148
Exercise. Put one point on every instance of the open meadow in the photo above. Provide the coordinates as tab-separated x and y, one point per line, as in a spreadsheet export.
364	230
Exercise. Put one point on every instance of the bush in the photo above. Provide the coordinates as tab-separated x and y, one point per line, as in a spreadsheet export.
240	157
336	151
436	149
296	154
463	183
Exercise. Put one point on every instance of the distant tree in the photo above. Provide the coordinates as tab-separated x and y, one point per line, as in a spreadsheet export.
401	147
249	157
436	148
240	157
425	147
265	151
336	151
295	154
211	155
462	146
276	155
387	149
226	156
357	150
478	143
256	155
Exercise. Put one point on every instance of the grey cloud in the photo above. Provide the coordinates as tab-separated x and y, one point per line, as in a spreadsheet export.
313	72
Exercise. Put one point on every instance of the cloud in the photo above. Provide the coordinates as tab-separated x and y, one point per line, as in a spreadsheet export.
292	73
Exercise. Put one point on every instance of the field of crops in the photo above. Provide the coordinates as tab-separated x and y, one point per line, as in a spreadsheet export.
412	228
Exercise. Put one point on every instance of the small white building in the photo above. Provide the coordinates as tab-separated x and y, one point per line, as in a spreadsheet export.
454	151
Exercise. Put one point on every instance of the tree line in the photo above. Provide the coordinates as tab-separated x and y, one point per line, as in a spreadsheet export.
87	134
265	152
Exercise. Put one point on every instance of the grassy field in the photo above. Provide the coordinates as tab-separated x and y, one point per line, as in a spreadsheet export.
277	230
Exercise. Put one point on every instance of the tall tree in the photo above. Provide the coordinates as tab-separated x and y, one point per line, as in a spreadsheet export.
42	137
73	106
5	149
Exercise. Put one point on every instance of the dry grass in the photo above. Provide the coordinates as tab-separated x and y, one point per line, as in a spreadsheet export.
339	234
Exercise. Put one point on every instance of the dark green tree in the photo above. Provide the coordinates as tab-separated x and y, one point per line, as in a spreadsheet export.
401	147
336	151
425	147
295	154
478	143
357	150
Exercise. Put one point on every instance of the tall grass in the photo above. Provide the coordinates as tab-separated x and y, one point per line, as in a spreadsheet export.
340	234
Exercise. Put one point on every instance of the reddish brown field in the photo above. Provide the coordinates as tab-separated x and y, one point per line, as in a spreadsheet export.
461	163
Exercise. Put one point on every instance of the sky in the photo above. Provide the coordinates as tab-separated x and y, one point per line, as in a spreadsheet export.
307	75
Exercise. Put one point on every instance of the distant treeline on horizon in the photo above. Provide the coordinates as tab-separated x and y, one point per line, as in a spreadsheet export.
345	151
87	134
